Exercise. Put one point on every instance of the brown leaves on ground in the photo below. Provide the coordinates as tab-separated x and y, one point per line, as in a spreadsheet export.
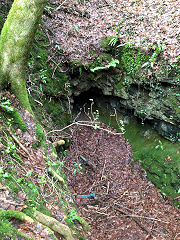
127	206
78	26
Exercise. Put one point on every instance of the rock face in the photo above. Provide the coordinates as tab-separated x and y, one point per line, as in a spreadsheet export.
160	104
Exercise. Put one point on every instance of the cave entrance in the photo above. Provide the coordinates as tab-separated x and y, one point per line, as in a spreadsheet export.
83	98
100	101
89	101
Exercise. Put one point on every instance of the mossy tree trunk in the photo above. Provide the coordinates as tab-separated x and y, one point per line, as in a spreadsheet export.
16	40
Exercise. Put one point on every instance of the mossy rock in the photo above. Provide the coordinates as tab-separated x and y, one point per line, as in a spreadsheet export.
174	101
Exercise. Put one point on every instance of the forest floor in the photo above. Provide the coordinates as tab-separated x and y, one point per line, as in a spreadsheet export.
77	26
123	205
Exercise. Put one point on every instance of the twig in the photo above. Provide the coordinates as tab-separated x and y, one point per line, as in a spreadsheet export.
103	170
154	219
136	221
20	145
83	124
137	216
60	5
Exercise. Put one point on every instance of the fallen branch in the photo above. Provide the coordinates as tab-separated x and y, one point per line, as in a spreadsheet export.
54	225
86	124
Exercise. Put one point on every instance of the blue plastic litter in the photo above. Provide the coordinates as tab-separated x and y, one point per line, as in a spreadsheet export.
84	160
92	195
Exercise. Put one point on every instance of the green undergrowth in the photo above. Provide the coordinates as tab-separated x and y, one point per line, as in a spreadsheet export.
7	231
48	84
9	113
158	156
143	67
34	200
16	183
31	185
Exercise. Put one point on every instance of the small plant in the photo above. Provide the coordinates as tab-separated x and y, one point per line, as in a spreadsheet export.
6	105
157	50
43	75
29	173
10	148
74	216
42	179
159	146
115	38
78	168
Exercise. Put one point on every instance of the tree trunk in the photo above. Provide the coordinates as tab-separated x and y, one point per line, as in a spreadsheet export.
16	40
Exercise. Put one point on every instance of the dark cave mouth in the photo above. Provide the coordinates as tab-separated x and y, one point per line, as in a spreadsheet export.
86	97
98	100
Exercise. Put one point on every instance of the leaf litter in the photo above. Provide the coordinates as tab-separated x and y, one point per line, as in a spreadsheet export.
77	27
128	206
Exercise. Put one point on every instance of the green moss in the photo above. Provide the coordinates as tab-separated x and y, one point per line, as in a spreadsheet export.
40	133
10	112
54	109
17	119
50	82
119	85
55	87
45	72
11	214
174	101
132	60
105	43
6	229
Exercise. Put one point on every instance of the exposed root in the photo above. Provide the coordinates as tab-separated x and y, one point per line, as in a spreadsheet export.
54	225
45	220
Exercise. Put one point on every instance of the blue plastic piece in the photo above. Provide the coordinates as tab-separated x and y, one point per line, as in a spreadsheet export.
92	195
83	158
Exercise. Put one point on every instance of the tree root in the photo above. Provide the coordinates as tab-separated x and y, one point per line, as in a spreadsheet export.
54	225
48	222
